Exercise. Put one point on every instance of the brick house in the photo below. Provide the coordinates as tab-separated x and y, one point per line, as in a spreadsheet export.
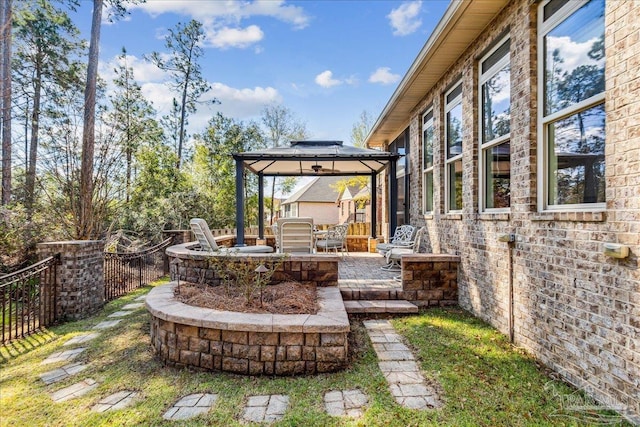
522	119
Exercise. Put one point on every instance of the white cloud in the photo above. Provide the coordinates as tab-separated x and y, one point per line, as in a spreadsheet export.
226	37
404	20
383	75
220	19
325	79
230	11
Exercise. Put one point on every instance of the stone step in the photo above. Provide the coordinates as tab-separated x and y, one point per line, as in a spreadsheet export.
380	306
351	294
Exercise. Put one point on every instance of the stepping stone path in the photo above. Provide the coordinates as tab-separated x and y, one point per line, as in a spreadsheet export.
133	306
141	298
267	408
63	356
399	367
62	373
75	390
347	403
107	324
117	400
191	406
120	313
79	339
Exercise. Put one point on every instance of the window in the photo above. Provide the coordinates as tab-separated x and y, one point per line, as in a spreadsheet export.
571	105
495	128
453	137
427	162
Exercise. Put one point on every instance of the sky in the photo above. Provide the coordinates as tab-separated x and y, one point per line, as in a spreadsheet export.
326	61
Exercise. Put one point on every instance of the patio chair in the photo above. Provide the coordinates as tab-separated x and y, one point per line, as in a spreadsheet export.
336	238
276	236
296	235
403	236
208	243
394	255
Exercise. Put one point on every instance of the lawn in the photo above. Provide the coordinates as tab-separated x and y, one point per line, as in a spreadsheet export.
483	380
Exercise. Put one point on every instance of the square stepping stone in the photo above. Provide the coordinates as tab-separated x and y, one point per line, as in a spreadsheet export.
79	339
118	400
119	314
141	298
347	403
62	373
107	324
63	356
266	408
133	306
191	406
75	390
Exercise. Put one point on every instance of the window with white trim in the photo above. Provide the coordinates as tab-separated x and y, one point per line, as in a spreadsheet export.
427	162
571	105
495	128
453	149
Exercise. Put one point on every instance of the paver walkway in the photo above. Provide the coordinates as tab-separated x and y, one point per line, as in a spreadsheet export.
267	408
75	390
63	356
62	373
396	361
118	400
191	406
79	339
347	403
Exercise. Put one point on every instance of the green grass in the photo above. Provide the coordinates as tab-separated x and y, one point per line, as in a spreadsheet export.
482	379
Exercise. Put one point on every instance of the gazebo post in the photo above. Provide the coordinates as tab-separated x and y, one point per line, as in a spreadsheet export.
374	205
260	205
239	202
393	197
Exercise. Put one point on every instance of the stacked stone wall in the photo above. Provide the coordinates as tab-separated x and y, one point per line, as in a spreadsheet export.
79	277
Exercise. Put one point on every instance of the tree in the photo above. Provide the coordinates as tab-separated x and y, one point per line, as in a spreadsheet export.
281	126
132	116
184	45
359	133
361	129
5	82
46	41
88	131
214	168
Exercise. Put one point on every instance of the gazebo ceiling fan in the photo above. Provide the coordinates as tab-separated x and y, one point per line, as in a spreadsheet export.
317	168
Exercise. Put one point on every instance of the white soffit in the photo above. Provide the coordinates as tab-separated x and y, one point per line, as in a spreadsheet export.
462	23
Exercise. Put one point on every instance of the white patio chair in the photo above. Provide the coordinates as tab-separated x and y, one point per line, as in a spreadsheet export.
296	235
208	243
394	255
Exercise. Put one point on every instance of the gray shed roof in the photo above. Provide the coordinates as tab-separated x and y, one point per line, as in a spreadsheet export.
316	158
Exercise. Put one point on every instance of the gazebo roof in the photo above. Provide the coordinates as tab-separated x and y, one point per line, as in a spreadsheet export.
316	158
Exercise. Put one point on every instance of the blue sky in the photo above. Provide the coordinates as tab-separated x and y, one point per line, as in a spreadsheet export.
327	61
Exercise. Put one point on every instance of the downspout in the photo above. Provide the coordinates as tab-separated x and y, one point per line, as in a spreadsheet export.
510	240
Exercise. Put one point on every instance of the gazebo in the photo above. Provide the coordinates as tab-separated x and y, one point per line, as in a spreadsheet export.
313	158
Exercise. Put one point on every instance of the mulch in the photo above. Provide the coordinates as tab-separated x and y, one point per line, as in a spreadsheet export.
283	298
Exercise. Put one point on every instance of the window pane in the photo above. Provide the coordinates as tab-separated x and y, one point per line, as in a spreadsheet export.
496	105
576	158
428	192
574	58
427	147
455	185
454	131
498	176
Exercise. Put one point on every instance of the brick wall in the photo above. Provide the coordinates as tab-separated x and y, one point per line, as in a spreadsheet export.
79	277
574	308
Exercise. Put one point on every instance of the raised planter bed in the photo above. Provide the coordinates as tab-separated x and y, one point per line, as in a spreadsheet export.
247	343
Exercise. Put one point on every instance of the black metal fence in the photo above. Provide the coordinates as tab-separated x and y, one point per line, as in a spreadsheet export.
126	271
28	299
